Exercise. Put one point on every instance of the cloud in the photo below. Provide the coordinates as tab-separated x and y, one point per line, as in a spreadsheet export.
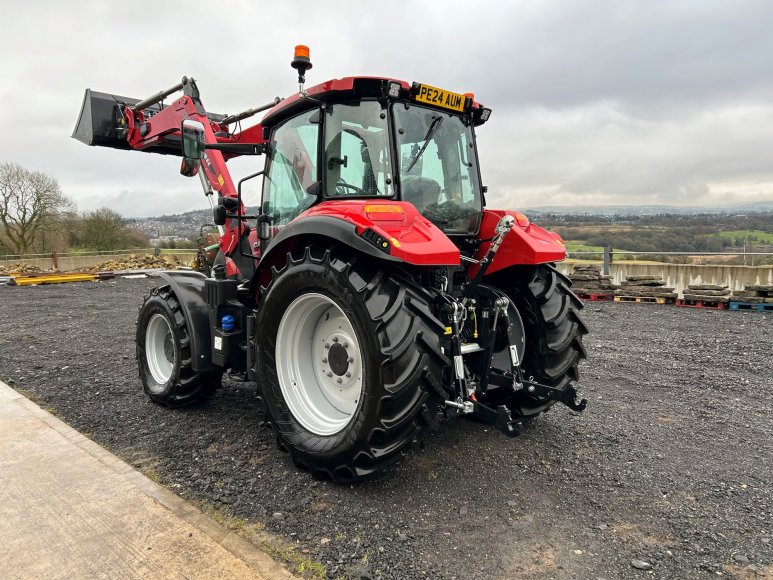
599	154
594	101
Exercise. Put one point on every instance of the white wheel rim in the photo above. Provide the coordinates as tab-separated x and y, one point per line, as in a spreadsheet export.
159	349
319	364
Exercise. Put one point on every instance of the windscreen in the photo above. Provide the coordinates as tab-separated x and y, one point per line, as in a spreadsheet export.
438	167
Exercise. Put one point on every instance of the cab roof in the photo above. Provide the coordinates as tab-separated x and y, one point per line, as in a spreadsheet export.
337	90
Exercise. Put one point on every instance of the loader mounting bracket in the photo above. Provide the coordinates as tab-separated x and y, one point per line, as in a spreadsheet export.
567	396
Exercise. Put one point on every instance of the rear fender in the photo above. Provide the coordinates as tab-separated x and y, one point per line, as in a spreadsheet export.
411	237
526	244
391	232
191	293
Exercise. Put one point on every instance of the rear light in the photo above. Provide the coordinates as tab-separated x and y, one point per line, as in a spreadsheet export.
384	212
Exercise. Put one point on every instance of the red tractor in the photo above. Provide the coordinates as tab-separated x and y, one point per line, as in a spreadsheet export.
371	294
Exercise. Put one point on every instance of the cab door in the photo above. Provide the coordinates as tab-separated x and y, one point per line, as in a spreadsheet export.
291	171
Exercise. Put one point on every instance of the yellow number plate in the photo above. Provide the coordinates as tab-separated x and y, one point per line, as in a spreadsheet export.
440	98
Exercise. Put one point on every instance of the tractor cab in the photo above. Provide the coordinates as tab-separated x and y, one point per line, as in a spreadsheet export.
363	138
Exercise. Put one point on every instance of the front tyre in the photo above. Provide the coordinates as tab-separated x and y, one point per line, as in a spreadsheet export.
345	359
164	354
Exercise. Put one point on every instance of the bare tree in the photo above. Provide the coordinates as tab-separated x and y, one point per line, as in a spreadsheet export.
30	204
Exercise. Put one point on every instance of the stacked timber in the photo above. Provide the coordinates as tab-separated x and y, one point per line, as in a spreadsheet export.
646	288
707	293
754	294
588	281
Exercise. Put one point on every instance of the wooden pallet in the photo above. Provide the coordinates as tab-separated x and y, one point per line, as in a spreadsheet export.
593	297
645	299
707	304
751	306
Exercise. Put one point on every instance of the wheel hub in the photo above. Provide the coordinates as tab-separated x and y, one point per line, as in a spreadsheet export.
169	348
338	359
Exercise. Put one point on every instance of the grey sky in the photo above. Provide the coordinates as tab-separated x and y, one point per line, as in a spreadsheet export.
624	102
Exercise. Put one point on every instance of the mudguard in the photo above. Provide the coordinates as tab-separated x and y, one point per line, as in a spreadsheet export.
189	287
329	227
387	230
526	244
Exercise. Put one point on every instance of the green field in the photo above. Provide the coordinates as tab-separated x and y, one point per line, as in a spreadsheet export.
580	246
749	235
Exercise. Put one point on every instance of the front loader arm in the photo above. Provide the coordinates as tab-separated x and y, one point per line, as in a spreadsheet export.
145	130
148	128
109	120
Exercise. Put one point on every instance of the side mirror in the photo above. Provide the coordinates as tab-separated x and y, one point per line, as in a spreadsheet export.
192	139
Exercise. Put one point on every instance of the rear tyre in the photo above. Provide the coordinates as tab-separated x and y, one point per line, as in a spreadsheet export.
553	328
164	354
347	355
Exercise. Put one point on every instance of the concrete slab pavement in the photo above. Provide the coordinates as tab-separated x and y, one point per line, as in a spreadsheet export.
71	509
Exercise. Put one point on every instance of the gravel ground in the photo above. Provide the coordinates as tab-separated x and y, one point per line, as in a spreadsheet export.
670	467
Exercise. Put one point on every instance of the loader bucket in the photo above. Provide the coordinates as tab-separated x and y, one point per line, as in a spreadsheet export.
99	123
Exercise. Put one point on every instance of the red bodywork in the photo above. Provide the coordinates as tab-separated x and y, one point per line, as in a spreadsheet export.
413	238
526	243
416	240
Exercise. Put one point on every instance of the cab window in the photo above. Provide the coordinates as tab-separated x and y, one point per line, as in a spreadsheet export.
292	168
356	158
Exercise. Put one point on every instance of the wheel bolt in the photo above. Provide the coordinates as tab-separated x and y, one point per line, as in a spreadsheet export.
329	374
327	345
339	381
346	345
348	375
351	360
335	339
324	360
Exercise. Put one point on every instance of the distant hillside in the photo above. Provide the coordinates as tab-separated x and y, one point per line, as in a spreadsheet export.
197	215
182	225
763	206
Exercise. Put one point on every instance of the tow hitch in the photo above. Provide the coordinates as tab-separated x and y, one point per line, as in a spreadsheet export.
567	396
499	417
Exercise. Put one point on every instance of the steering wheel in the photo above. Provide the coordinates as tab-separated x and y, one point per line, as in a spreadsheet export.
342	187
